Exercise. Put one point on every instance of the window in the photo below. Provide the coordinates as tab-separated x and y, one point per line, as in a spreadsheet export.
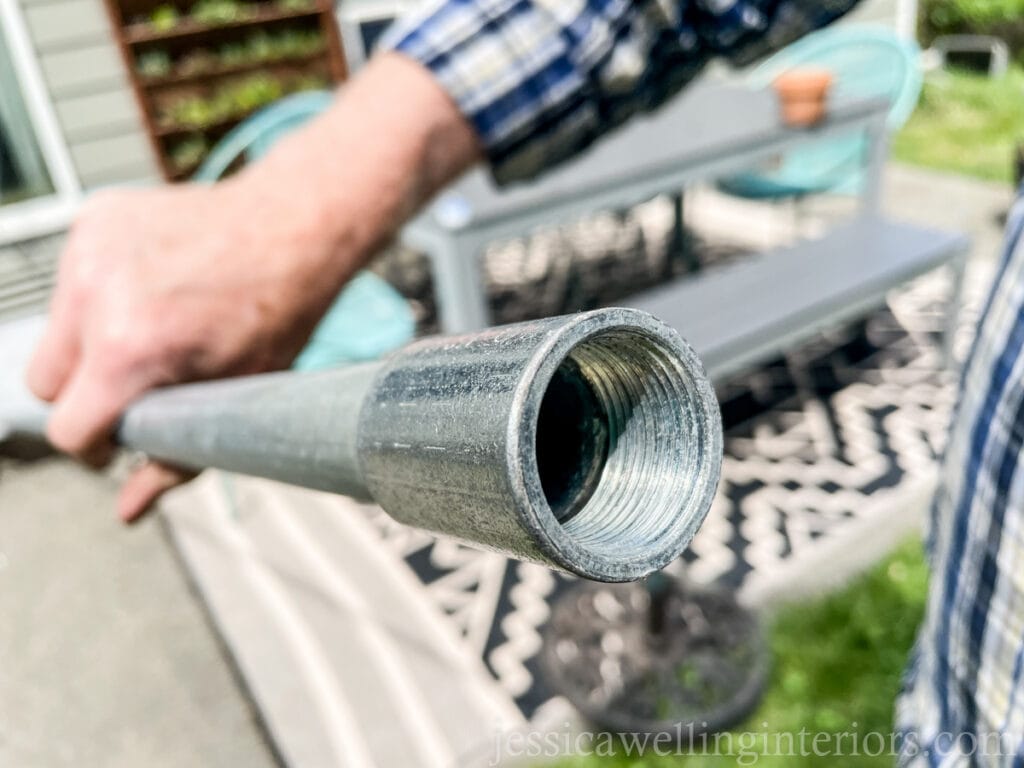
23	172
38	187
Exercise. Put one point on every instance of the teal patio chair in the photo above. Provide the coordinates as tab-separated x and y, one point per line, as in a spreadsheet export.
369	318
865	61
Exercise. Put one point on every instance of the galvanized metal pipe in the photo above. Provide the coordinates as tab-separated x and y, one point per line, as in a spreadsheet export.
591	443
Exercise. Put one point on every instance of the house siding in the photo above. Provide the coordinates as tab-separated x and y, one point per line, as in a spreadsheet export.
90	91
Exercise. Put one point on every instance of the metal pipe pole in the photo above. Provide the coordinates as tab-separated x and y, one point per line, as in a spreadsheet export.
590	443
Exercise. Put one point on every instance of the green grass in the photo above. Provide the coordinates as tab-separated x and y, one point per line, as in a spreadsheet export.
966	123
837	662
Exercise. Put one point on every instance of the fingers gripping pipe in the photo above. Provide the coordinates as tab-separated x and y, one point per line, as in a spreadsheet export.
591	443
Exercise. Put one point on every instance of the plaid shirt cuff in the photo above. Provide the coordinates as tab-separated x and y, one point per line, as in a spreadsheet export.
540	80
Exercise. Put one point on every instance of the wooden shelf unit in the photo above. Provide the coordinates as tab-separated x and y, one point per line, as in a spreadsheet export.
136	36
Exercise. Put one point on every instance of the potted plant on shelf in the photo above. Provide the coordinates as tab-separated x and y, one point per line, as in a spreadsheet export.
154	64
220	12
188	153
164	18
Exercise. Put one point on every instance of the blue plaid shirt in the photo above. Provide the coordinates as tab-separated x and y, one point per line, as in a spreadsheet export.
963	699
542	79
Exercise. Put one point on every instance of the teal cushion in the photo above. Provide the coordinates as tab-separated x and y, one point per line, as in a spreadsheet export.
368	319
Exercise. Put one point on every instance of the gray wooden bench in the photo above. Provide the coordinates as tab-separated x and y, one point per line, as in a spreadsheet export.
747	312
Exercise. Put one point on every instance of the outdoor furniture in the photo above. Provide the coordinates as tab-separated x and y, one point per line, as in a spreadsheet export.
369	317
865	62
748	312
710	131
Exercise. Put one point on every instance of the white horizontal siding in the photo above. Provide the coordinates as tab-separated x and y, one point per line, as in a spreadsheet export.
57	25
74	71
90	91
95	116
113	160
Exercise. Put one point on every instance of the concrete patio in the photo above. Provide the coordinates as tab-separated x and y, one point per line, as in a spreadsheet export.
109	659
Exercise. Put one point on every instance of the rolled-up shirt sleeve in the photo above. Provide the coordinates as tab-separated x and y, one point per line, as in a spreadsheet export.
540	80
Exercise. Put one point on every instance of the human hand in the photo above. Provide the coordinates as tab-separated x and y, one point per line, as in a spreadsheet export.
161	286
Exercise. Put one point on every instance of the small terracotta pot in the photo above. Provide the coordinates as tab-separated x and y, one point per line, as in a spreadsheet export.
802	95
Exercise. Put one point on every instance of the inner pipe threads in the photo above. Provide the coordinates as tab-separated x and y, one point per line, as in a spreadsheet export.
620	445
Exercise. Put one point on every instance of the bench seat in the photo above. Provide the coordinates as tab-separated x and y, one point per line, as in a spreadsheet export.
748	312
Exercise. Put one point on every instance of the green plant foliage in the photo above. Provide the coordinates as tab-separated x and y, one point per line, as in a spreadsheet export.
198	61
966	123
215	13
258	48
961	15
154	64
290	44
296	6
254	92
234	99
164	18
233	54
837	661
219	12
188	153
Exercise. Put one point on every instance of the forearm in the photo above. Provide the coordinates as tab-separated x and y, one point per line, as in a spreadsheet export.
349	179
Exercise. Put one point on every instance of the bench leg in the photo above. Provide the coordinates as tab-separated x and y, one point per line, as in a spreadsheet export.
681	247
957	268
458	284
874	171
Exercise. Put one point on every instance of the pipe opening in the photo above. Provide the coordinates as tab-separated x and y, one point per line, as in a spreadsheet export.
572	441
620	443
